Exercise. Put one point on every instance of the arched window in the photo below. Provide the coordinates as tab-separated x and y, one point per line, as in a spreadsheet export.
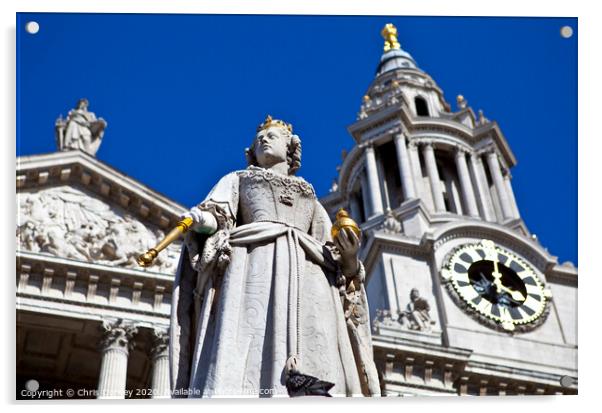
422	108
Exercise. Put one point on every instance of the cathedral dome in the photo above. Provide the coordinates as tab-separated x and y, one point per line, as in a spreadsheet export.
395	59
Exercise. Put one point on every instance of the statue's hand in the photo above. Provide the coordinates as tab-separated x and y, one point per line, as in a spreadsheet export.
348	245
197	215
204	222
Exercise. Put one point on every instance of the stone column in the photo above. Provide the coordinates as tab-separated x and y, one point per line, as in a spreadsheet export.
384	189
115	345
496	174
483	195
433	174
466	184
405	171
513	205
354	208
160	359
365	195
415	167
373	190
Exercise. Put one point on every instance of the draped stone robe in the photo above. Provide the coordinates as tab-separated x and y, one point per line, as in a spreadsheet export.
263	288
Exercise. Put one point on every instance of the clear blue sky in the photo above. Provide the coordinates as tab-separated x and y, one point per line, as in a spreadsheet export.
183	94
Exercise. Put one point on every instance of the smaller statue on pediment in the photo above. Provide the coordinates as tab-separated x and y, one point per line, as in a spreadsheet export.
81	130
482	119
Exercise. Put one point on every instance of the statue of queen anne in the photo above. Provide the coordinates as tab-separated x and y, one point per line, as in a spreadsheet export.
262	292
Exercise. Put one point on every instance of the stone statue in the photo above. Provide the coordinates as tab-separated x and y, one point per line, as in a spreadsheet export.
81	130
416	316
482	119
263	292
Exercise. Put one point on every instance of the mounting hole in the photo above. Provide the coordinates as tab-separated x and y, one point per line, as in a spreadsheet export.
566	31
566	381
32	27
32	385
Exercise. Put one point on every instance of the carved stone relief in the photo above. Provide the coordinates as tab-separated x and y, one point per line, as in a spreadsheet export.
69	223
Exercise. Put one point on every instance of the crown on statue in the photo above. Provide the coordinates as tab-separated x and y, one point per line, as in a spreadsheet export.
274	122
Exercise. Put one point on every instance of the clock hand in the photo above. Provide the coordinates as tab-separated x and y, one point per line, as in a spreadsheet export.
497	276
516	295
497	281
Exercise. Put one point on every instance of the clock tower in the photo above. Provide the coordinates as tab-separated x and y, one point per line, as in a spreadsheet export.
463	299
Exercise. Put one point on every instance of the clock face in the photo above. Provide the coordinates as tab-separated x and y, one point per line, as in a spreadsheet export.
497	284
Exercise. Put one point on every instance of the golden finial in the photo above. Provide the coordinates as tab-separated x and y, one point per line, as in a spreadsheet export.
389	33
366	98
274	122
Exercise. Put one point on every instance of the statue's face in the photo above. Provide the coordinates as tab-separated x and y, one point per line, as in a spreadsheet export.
414	294
271	146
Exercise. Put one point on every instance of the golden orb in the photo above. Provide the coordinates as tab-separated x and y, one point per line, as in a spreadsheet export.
343	220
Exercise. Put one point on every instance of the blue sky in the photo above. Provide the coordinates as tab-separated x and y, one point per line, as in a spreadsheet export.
183	94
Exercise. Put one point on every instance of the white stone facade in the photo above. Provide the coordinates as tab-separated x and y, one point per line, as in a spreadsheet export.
421	180
88	317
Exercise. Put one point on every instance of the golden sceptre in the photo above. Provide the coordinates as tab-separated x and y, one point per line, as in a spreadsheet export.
146	259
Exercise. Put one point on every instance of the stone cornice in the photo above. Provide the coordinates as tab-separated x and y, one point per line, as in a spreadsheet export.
425	349
77	168
380	242
563	274
53	283
409	364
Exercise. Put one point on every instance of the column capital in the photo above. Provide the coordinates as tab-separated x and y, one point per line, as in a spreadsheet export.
367	145
160	343
398	133
117	335
427	145
460	151
412	144
490	152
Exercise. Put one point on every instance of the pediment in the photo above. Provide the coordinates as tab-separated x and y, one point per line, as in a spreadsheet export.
72	206
78	169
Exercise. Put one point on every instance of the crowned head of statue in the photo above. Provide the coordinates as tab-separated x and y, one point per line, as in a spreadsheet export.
275	145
